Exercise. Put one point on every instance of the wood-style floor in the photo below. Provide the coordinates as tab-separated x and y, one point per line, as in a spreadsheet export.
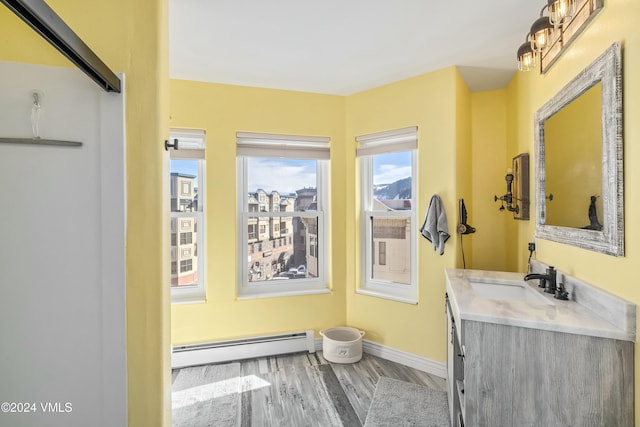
306	390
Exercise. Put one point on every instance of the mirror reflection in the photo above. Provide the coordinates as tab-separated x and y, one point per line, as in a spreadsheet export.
573	167
579	160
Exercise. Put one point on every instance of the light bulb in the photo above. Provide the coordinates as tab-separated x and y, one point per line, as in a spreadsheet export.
540	34
561	11
527	58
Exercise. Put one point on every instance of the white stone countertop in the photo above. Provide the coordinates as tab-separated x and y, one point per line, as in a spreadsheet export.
559	316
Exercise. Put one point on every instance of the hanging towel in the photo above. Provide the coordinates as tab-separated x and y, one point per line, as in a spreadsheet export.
435	228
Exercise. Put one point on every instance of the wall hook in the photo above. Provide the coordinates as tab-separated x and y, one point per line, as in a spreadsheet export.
36	110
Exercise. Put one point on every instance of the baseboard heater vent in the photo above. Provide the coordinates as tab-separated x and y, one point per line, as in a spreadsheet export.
244	348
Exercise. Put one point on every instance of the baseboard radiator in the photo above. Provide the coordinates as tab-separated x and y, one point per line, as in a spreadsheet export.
243	348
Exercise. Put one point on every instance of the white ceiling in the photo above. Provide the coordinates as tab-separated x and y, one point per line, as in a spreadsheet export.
346	46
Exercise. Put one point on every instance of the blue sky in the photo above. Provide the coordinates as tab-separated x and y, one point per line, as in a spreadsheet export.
289	175
190	167
391	167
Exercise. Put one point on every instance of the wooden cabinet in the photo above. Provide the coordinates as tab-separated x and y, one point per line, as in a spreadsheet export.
502	375
455	371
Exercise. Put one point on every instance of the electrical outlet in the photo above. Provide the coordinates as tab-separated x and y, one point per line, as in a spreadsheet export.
532	246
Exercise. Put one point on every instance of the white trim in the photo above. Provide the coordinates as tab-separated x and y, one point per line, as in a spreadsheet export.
189	139
113	199
386	295
290	146
267	293
191	143
404	139
429	366
272	288
408	292
411	360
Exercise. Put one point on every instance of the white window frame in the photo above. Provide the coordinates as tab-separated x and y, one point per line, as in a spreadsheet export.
191	146
282	146
368	146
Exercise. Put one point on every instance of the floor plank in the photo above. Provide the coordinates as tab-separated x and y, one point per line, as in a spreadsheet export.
304	389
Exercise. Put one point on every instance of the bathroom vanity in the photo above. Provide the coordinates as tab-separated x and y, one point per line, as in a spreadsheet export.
517	356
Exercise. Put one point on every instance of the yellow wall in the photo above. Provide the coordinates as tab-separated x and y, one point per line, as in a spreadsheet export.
573	160
490	161
428	101
465	141
438	103
529	91
130	37
222	110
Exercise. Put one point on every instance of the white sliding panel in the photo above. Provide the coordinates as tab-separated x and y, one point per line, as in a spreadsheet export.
62	256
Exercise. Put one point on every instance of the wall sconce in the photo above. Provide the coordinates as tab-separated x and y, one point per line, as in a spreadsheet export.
508	198
517	196
550	35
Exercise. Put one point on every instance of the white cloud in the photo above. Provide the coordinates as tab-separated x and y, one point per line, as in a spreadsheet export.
386	174
282	175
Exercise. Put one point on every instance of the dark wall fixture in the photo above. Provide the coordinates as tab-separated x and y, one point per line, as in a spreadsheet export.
39	16
463	227
516	199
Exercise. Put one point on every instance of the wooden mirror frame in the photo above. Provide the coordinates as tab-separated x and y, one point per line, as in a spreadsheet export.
607	68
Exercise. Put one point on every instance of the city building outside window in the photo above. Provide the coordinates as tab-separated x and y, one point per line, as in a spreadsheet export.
187	186
388	220
282	183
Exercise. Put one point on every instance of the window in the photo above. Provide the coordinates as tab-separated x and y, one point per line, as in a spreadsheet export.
382	253
186	238
186	265
187	187
388	189
287	177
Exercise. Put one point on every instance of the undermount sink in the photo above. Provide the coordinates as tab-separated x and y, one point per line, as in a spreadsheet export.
507	291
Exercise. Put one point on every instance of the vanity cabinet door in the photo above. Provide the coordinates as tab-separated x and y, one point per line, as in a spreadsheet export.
451	335
529	377
455	372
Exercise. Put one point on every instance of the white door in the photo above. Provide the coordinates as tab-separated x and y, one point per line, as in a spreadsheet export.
62	231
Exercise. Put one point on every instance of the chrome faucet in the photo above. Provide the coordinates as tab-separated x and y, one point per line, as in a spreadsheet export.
547	281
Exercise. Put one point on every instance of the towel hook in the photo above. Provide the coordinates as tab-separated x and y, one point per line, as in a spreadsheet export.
36	111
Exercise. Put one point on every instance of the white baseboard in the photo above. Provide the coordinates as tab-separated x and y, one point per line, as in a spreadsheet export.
429	366
242	348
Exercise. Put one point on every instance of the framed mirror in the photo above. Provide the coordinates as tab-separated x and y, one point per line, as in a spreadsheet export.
579	160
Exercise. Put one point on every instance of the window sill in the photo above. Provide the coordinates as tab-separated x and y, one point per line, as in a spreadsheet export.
277	294
383	295
196	299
